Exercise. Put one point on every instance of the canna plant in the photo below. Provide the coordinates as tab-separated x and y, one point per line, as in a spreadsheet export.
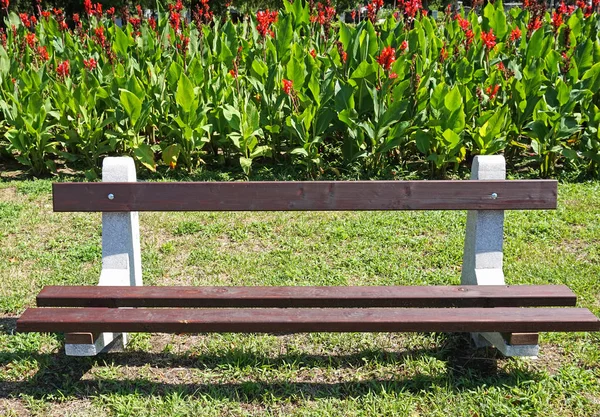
296	86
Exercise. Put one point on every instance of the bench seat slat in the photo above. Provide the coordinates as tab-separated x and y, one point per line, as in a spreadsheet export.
272	320
364	296
300	195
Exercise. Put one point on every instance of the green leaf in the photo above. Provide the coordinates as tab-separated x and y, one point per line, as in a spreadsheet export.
185	93
170	154
296	71
132	105
423	140
452	139
344	98
246	164
534	47
122	42
453	99
145	155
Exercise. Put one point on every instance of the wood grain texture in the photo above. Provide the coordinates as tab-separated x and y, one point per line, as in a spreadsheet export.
272	320
304	196
366	296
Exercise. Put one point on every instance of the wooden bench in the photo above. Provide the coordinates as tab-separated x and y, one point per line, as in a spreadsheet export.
95	317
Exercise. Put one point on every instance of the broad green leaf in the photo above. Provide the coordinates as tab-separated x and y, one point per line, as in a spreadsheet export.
145	155
453	99
452	139
423	140
296	71
132	105
344	98
170	155
122	42
185	93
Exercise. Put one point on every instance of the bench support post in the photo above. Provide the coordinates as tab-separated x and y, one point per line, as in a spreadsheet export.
482	258
121	257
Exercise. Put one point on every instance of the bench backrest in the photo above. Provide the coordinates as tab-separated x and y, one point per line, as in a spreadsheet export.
306	196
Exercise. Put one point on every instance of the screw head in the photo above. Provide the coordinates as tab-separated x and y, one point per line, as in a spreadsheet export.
111	196
494	196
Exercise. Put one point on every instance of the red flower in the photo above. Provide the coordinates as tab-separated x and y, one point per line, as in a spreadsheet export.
443	54
43	53
265	19
515	34
412	7
62	70
233	73
63	26
469	38
489	39
100	37
464	23
534	24
175	20
387	57
288	87
25	19
557	20
492	91
90	64
88	7
110	12
403	46
152	23
46	14
4	4
313	53
393	76
30	38
501	66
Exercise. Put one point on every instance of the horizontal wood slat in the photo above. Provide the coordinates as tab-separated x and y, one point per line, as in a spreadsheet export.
367	296
314	195
272	320
521	338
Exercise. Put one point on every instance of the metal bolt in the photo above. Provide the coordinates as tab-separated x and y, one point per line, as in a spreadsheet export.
494	196
111	196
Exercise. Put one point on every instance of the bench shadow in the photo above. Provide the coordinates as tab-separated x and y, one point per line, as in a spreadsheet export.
62	375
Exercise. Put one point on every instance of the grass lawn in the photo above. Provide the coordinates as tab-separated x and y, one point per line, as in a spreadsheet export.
296	375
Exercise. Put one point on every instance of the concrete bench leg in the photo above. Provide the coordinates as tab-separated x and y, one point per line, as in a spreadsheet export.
482	259
121	260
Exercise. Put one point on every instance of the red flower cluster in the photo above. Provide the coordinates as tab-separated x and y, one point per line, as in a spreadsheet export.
92	9
403	46
373	8
412	7
341	52
325	13
515	35
387	57
288	87
177	7
152	23
464	23
557	20
100	37
30	39
136	22
182	44
443	54
62	70
492	91
27	21
110	12
46	14
585	8
175	20
265	19
77	20
4	4
90	64
202	14
43	53
489	39
313	53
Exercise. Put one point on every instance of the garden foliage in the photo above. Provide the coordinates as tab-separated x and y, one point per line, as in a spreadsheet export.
298	86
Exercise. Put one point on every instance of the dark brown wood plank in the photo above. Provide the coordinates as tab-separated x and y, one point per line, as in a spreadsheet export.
315	195
367	296
521	338
272	320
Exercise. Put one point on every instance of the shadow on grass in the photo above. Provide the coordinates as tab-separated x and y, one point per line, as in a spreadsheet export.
60	375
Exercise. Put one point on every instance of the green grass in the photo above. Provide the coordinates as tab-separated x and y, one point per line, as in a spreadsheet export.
306	374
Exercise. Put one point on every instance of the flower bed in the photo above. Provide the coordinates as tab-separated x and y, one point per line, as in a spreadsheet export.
298	86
